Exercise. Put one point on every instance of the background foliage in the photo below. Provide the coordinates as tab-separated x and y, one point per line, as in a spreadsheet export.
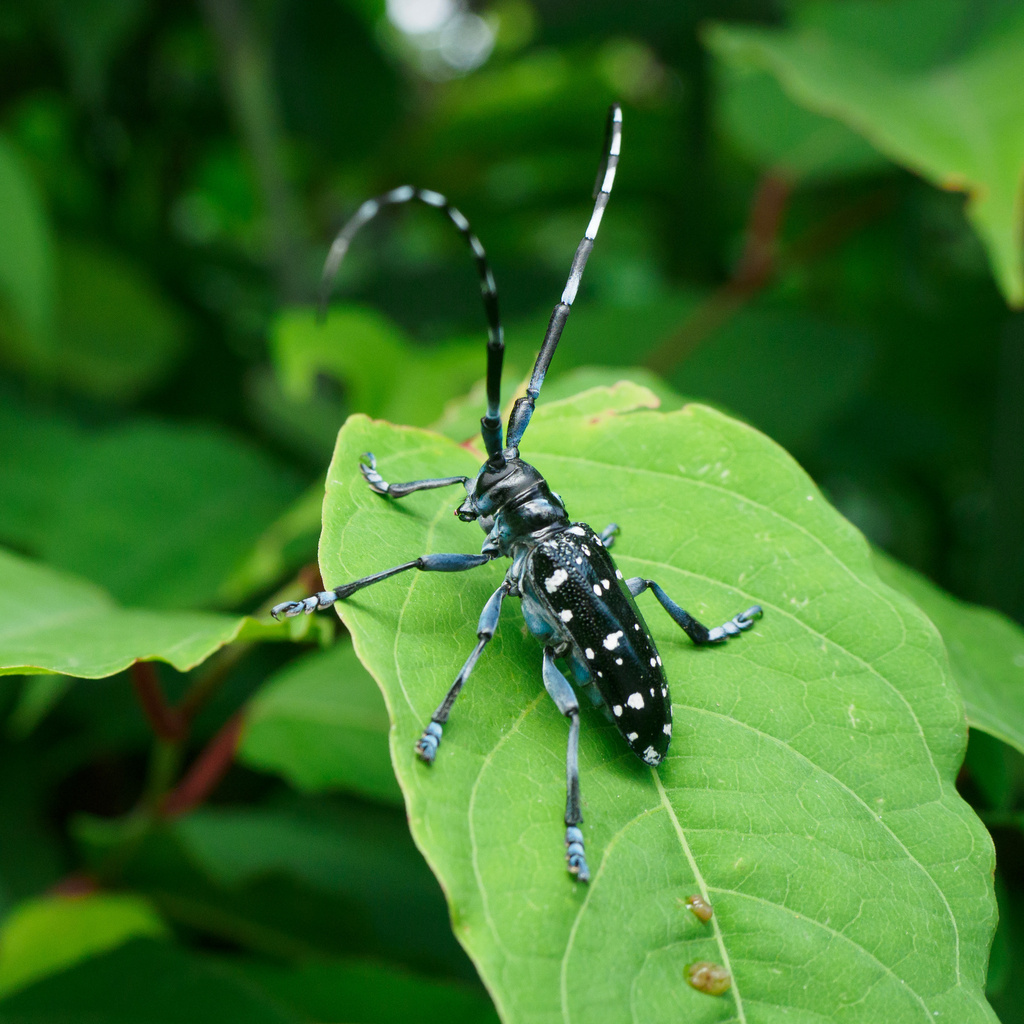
817	226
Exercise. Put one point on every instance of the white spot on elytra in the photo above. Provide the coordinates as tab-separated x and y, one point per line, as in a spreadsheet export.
667	728
653	663
651	756
652	691
636	626
555	580
659	659
565	615
664	691
586	550
578	530
617	710
589	653
579	561
635	700
618	661
597	590
633	737
611	641
606	584
599	542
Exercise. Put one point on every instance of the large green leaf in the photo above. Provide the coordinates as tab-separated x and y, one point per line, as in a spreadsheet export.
809	790
986	652
958	122
50	622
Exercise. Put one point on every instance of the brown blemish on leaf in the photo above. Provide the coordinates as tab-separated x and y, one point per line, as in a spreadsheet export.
708	977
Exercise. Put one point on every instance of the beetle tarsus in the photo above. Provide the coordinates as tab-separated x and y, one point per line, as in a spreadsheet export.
313	603
427	744
735	625
574	855
368	467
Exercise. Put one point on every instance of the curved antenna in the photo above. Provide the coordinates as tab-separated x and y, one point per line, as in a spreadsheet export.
490	425
519	420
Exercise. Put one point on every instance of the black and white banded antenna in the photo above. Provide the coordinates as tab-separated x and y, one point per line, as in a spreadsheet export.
490	424
519	420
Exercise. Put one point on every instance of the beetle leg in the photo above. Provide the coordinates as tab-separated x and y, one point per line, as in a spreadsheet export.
380	486
696	631
609	533
427	744
565	699
425	563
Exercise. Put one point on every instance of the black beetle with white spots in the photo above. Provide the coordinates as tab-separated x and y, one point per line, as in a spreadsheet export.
574	599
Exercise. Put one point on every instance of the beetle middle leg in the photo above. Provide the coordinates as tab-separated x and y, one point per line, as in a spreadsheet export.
565	699
696	631
380	486
425	563
427	744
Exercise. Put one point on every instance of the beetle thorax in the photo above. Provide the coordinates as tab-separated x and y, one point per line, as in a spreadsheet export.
512	502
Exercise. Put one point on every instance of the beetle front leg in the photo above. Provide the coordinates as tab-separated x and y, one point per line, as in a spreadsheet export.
427	744
696	631
425	563
565	699
380	486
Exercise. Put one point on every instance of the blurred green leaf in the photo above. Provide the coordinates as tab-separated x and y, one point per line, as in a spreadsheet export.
771	130
55	623
810	793
298	880
986	651
39	695
115	333
958	123
369	993
45	936
161	515
288	543
145	981
383	372
26	249
788	373
321	722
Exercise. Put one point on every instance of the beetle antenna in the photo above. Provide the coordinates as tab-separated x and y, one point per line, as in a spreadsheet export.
523	409
490	424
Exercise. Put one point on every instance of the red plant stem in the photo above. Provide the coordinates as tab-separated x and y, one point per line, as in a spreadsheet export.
167	723
755	269
206	771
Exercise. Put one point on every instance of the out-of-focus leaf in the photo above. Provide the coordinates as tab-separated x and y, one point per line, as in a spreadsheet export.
115	334
91	32
322	724
51	622
986	652
145	981
304	880
26	248
161	515
47	935
383	373
285	545
958	123
39	695
369	993
787	373
809	792
38	450
769	129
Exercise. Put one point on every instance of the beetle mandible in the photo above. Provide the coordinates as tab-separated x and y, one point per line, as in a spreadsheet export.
574	599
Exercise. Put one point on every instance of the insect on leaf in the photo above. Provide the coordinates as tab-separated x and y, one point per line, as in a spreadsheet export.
808	793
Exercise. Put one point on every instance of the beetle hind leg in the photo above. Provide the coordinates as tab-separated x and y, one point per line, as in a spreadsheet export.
696	631
565	699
